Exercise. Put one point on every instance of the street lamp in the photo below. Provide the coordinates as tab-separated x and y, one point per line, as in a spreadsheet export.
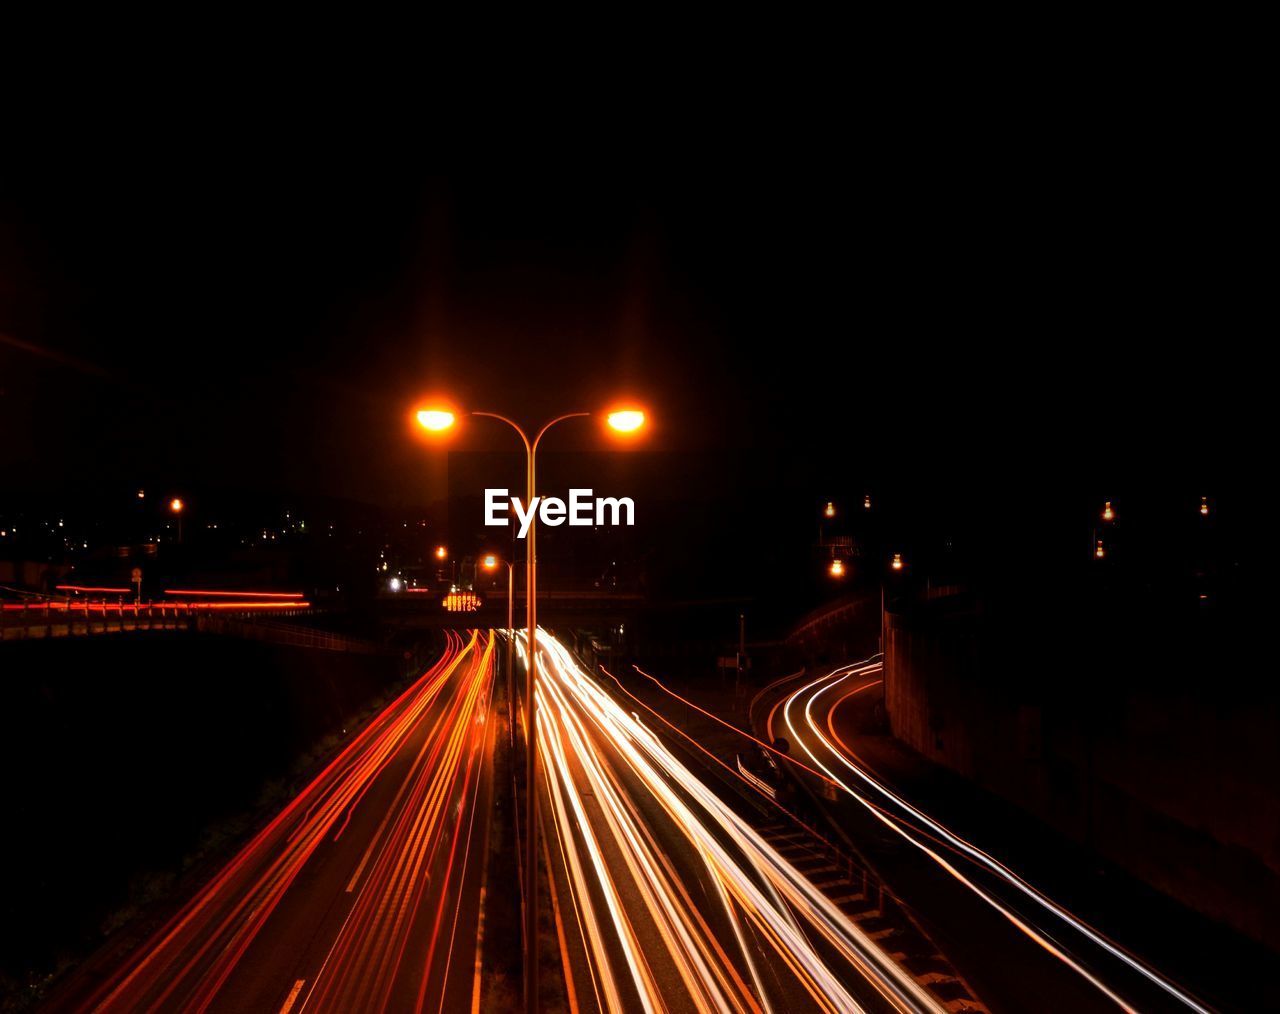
490	561
897	561
442	552
830	509
626	421
1107	513
1204	506
177	506
837	568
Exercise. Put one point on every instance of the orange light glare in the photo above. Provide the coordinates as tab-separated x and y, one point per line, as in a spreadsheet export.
831	510
897	561
176	505
435	419
866	501
490	562
441	552
1107	513
626	421
837	568
1204	506
1099	552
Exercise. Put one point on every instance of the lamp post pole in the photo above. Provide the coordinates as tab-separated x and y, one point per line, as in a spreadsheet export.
511	645
531	677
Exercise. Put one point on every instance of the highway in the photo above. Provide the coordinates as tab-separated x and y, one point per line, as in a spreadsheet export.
367	891
804	712
665	898
364	893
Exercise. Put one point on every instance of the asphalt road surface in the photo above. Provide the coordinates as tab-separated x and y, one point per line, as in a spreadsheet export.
362	894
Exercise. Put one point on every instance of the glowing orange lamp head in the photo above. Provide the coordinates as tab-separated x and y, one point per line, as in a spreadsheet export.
490	562
176	505
830	510
837	568
897	561
441	552
437	420
626	420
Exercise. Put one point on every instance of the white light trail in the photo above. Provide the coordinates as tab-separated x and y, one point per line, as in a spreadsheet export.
632	893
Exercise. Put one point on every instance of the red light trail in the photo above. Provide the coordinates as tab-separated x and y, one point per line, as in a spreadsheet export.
357	895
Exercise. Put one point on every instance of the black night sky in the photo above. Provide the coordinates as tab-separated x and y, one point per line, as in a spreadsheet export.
991	323
215	301
955	389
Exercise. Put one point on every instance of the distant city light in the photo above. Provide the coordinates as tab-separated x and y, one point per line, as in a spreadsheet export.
441	552
1099	552
395	584
866	501
142	494
176	505
1107	513
1204	506
897	561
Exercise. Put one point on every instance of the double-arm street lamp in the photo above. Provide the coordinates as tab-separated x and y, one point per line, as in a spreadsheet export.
626	422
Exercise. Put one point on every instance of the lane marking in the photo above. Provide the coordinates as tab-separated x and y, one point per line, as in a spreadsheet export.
293	995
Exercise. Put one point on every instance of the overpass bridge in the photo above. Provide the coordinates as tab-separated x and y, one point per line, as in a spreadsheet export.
555	608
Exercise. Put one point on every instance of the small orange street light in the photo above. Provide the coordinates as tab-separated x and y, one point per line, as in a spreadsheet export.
1107	513
626	420
489	562
831	509
897	561
1099	552
1204	506
435	419
866	501
176	505
442	552
142	494
837	568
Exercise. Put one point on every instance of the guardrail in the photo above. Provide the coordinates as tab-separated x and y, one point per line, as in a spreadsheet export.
284	633
74	618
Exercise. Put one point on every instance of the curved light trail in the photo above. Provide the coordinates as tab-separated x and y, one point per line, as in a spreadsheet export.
832	757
